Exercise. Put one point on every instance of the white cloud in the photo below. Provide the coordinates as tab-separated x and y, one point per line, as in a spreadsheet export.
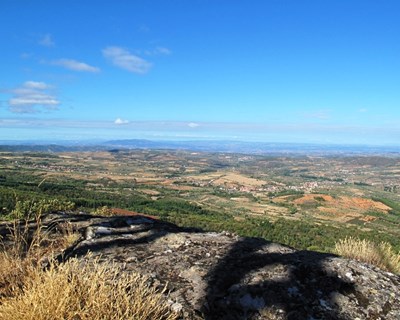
362	110
32	96
121	121
124	59
47	41
157	51
35	85
75	65
162	50
193	125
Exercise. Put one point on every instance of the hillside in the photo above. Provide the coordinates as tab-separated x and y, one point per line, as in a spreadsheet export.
224	276
307	202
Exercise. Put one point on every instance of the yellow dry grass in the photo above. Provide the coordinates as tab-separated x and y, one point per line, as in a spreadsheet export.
33	286
85	290
19	260
237	178
14	271
381	255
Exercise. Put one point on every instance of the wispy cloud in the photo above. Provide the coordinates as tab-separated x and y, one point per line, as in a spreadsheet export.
75	65
36	85
120	121
47	40
122	58
31	97
193	125
163	50
158	51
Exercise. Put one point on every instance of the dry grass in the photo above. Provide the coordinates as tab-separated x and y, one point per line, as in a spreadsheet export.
13	273
381	255
27	250
34	286
83	290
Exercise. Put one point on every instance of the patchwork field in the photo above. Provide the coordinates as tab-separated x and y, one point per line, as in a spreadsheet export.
360	192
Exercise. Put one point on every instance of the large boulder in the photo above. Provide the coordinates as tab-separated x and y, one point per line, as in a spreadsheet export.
223	276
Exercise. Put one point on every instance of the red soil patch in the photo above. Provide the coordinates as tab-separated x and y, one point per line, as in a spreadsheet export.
123	212
343	202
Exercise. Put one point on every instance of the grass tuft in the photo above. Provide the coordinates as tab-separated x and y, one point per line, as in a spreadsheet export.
34	286
85	290
27	249
14	271
381	255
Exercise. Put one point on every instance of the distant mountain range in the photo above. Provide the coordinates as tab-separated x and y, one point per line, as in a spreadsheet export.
201	146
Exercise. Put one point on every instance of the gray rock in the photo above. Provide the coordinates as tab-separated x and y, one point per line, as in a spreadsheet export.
222	276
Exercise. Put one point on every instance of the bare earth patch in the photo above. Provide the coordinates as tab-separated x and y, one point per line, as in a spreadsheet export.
342	208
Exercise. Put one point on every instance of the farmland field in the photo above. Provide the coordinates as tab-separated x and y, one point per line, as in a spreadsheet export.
303	201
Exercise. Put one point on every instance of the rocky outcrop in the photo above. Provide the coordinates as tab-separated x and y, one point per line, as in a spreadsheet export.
223	276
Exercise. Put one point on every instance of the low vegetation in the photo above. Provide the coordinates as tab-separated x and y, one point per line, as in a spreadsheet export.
303	202
34	285
27	244
381	255
76	290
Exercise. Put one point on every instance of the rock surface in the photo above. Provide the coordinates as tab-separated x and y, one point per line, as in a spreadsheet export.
223	276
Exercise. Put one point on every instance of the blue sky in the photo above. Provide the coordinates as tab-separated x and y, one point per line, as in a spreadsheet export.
278	71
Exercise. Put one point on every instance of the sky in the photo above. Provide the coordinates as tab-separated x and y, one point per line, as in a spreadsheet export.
302	71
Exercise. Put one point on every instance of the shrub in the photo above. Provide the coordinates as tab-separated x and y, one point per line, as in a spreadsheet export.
104	211
381	255
32	208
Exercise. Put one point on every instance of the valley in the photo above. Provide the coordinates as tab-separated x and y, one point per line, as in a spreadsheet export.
299	200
